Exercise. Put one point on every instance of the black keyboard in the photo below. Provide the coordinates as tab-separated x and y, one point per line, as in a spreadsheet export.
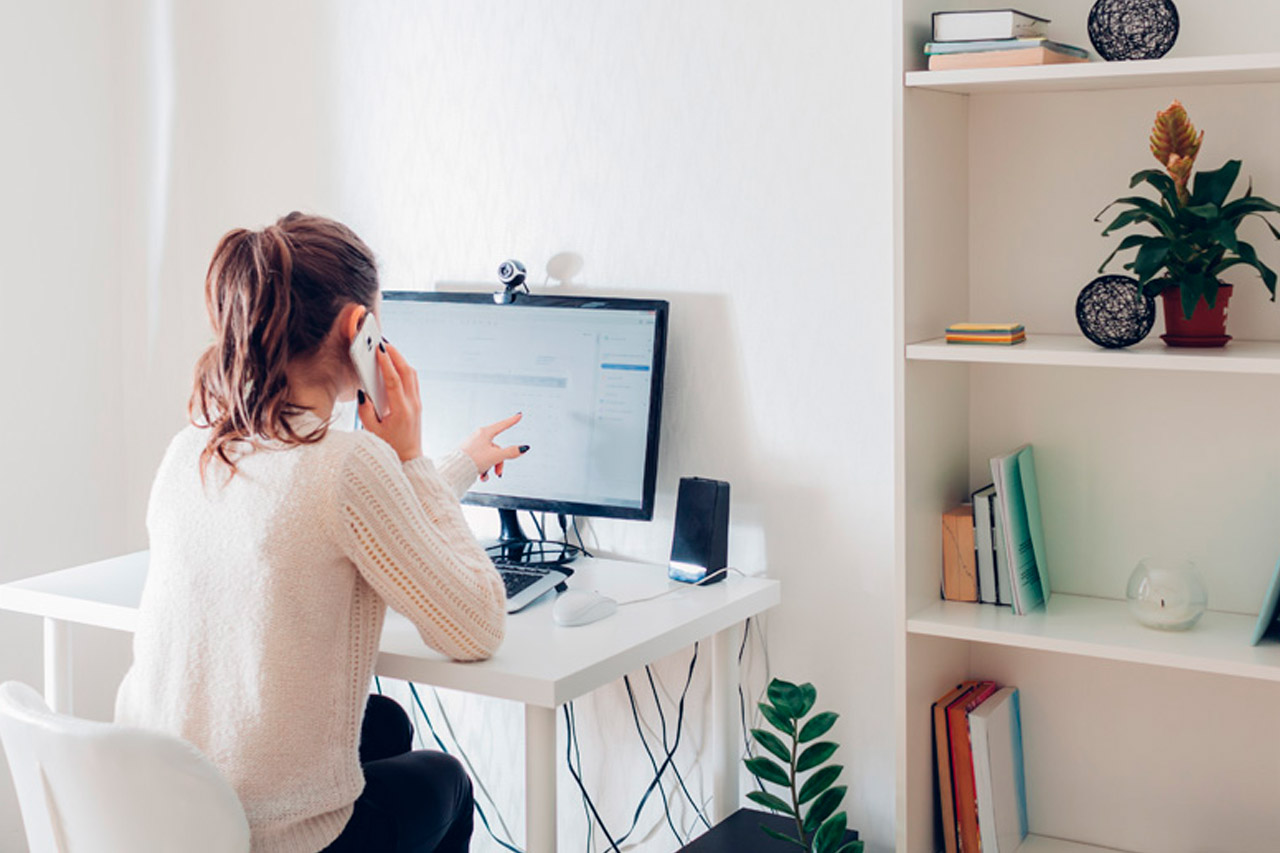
517	577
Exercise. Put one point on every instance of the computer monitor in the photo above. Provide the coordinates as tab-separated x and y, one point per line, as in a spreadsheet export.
586	372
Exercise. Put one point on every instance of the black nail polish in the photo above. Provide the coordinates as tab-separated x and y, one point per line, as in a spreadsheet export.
382	347
360	396
524	448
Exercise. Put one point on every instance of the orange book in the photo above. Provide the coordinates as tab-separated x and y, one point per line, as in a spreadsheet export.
942	748
962	778
959	559
1001	59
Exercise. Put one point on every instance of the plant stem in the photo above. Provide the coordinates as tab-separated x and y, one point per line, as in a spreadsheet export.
795	796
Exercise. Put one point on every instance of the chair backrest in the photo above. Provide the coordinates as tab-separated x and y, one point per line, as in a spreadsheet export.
89	787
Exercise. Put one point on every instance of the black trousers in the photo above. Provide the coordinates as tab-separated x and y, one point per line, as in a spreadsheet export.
413	802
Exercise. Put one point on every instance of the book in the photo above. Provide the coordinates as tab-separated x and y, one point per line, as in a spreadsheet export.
1003	580
986	333
984	24
983	542
985	339
942	751
959	574
985	328
995	736
1018	505
942	48
1267	623
962	779
1017	57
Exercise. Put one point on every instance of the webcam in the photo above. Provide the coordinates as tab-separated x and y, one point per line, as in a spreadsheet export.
511	275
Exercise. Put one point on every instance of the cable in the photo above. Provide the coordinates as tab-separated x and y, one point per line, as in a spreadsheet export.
679	726
577	751
668	760
578	533
480	811
577	777
475	777
537	526
707	581
666	804
748	751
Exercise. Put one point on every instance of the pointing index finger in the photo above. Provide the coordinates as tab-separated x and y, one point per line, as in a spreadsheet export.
503	425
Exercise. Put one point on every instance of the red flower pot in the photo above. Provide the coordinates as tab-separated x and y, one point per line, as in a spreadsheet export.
1207	326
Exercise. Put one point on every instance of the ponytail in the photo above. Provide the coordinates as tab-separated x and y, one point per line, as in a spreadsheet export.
272	296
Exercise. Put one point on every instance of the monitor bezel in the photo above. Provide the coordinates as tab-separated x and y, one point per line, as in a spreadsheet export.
660	308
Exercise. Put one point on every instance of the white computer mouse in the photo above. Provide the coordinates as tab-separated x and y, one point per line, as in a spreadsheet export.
580	607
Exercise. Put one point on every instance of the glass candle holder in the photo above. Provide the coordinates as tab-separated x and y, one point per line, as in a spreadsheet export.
1166	594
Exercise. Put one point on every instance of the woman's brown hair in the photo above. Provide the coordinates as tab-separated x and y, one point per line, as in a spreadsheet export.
272	296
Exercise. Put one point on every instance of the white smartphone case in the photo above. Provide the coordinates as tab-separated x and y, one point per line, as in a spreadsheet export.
364	355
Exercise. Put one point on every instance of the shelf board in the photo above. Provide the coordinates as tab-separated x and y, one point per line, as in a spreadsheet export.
1044	844
1084	76
1078	351
1103	628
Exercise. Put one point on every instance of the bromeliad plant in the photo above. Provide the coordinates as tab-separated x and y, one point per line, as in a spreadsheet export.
1196	228
822	828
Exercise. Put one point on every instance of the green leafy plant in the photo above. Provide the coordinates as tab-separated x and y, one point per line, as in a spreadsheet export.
821	829
1196	228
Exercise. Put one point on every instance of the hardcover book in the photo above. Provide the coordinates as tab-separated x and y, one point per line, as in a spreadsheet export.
959	574
942	749
988	583
984	24
962	765
1042	55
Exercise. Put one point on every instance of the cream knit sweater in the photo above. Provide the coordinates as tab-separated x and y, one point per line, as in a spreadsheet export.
264	604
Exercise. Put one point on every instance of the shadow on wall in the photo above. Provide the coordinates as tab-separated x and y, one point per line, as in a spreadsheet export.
708	430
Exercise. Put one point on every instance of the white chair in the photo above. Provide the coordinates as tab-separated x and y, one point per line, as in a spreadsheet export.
89	787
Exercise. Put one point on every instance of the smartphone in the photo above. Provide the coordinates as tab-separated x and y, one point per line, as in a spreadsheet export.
364	355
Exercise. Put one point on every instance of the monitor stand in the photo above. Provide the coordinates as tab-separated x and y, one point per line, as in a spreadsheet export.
515	547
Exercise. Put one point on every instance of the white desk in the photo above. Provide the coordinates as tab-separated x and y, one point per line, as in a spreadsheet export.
540	664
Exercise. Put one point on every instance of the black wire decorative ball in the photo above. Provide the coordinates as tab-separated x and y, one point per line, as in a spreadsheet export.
1133	29
1113	311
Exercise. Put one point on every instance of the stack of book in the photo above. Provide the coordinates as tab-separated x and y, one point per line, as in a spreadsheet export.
995	38
993	548
981	782
986	333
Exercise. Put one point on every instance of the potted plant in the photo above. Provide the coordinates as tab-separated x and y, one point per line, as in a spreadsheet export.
819	827
1196	234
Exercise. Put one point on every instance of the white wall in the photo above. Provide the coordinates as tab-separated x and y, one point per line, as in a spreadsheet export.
732	157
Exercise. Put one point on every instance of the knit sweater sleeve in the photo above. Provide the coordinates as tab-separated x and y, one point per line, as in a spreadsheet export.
402	526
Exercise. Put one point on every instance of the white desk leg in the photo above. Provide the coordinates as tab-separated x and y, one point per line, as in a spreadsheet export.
725	732
57	665
539	779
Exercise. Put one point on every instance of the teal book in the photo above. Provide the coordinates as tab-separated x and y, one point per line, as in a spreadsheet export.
935	48
1267	617
995	733
1022	529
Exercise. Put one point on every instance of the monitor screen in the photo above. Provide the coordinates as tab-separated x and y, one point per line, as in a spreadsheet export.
586	373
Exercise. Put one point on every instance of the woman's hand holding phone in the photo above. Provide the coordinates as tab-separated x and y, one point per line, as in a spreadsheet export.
402	427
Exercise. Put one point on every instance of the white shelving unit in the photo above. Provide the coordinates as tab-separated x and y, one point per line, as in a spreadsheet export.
1136	740
1080	77
1078	351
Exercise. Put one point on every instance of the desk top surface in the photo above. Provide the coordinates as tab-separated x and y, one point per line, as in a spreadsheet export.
539	663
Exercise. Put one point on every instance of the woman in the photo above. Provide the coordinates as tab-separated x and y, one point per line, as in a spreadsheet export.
276	544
